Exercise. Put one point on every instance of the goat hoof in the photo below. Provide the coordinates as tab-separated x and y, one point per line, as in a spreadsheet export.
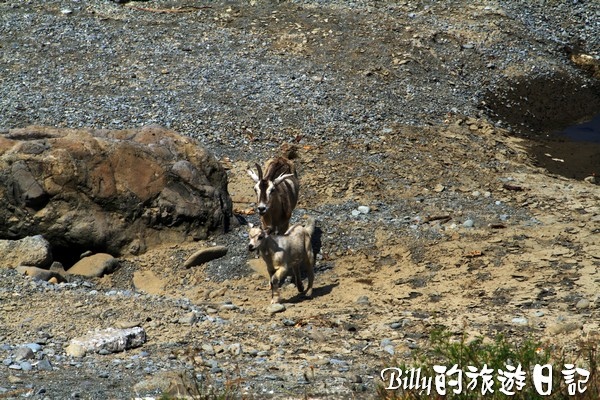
275	300
308	293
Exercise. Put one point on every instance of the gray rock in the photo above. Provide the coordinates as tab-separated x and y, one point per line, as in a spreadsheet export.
363	300
44	365
520	321
31	251
35	347
205	255
468	223
25	366
364	209
110	340
23	353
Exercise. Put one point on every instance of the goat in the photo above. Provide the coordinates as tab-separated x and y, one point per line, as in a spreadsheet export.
286	254
277	193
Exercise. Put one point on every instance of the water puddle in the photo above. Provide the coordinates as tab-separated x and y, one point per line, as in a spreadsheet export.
559	115
588	131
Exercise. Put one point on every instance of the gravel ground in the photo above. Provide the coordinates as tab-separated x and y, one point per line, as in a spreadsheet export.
378	96
246	76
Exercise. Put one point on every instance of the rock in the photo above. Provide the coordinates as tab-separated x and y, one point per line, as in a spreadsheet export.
94	266
75	350
189	319
564	327
44	365
35	347
205	255
228	307
40	274
364	209
520	321
468	223
110	340
208	349
125	324
235	349
275	308
583	304
25	366
32	251
23	353
114	191
363	300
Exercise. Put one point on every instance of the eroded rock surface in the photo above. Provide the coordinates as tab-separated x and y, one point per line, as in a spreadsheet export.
113	191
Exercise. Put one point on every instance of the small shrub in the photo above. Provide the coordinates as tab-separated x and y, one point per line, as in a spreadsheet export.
499	354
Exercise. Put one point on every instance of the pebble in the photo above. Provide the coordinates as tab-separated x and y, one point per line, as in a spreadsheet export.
235	349
208	349
364	209
520	321
35	347
188	319
363	300
468	223
26	366
582	304
44	365
288	322
75	350
275	308
396	325
23	353
355	213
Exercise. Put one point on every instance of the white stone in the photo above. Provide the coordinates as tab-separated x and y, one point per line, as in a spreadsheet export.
110	340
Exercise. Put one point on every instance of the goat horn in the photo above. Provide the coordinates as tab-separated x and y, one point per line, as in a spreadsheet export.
260	173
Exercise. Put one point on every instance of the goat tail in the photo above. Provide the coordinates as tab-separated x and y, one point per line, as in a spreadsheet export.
310	226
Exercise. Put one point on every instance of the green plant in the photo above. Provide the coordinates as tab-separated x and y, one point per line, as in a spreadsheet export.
446	350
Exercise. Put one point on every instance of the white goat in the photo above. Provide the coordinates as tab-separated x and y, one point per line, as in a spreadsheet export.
287	254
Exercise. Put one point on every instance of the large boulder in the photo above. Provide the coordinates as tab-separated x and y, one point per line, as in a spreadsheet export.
112	191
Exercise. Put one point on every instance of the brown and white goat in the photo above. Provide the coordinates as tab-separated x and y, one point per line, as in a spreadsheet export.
277	193
287	254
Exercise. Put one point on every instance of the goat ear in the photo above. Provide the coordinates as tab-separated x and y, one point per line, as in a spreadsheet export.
281	179
253	176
